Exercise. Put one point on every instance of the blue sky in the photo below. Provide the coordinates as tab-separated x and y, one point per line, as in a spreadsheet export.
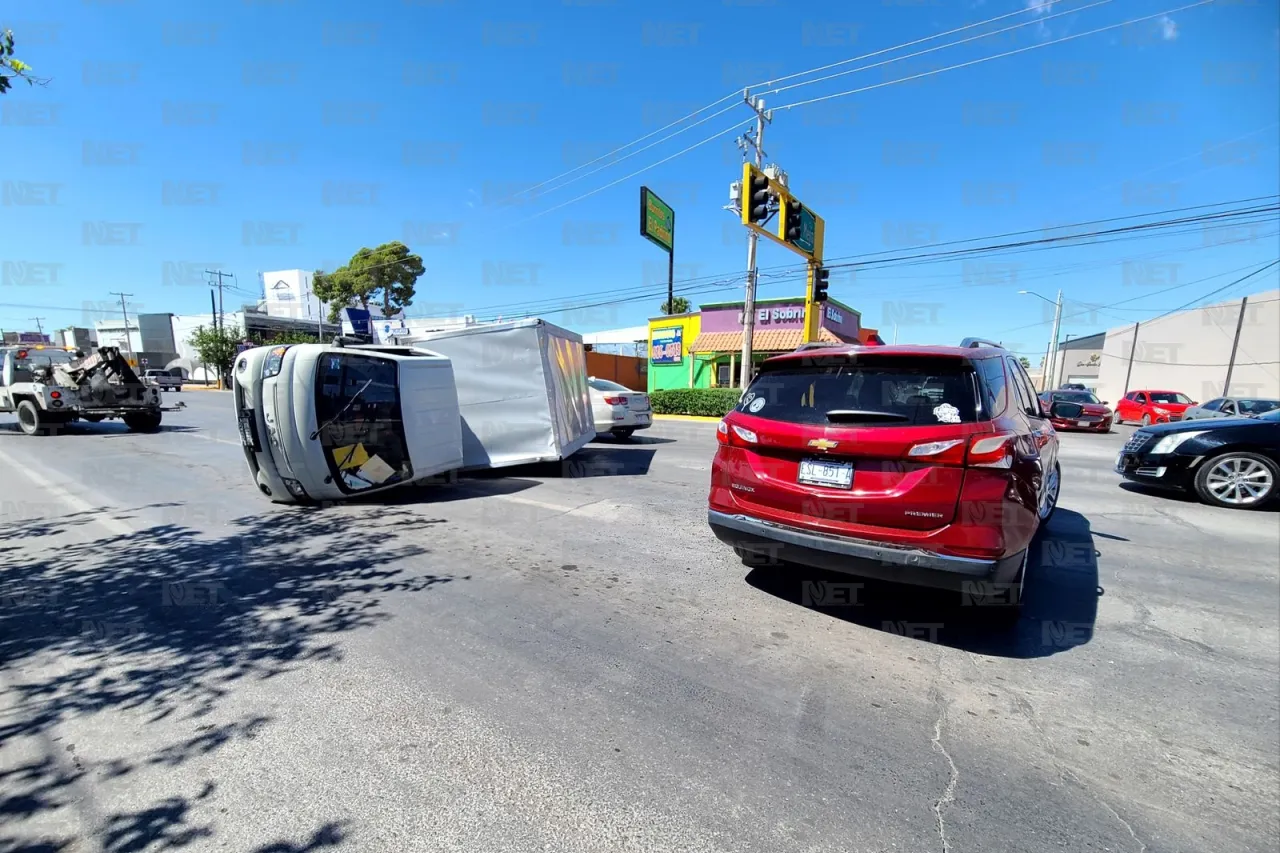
269	134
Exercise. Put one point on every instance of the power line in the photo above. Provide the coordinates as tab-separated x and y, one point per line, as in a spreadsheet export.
981	60
607	156
1036	20
1128	232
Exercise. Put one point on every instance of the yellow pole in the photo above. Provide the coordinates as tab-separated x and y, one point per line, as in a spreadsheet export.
812	310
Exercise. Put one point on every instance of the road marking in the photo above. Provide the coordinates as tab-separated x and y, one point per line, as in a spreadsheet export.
211	438
46	485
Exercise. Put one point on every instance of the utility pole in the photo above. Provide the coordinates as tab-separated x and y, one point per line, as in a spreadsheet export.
39	328
1235	345
124	311
1053	343
749	302
220	321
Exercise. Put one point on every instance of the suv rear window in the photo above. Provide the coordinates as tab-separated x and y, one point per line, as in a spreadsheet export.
870	392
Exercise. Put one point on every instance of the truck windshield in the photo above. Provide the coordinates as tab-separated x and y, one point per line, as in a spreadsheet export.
362	432
26	361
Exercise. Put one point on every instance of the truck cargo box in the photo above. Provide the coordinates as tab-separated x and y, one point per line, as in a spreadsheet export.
522	391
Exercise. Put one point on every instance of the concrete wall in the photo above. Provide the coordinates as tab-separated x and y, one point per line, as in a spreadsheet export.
1189	352
625	370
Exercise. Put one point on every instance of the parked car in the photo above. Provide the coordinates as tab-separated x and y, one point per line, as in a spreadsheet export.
1231	407
1228	462
924	465
617	409
1096	417
163	379
1152	407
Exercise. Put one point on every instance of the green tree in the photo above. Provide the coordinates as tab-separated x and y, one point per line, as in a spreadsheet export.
681	306
11	67
388	273
216	348
1026	362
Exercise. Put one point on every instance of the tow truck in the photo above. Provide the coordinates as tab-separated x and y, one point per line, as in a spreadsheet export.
49	387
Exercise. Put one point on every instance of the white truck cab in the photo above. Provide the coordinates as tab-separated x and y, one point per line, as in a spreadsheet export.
329	422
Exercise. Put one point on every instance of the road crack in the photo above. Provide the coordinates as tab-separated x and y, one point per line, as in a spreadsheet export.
948	794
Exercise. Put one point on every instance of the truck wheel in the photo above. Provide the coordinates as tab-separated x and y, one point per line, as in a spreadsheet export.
143	422
31	420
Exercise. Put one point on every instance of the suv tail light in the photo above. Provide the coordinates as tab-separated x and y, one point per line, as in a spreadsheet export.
992	451
735	436
945	452
983	451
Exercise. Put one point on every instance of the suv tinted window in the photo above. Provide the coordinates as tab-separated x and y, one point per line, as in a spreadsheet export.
917	390
995	391
1023	389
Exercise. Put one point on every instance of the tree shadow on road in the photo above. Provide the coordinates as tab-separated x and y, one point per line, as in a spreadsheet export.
161	625
1060	600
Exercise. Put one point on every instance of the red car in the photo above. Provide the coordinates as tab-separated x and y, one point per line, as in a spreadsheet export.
1096	417
1153	407
924	465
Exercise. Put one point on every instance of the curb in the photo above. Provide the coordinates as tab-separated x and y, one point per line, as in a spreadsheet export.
186	388
691	418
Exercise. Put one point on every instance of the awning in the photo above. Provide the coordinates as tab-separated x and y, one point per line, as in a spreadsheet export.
762	340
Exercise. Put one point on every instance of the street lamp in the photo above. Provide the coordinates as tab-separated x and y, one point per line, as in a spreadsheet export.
1051	368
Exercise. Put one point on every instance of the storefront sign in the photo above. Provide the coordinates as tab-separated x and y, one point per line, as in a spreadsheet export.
834	315
667	346
657	220
776	315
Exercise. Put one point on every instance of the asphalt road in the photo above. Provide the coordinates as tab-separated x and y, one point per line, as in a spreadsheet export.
567	660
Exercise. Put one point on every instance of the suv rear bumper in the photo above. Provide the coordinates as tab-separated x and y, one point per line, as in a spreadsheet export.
860	557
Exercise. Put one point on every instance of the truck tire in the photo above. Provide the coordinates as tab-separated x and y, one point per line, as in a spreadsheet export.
143	421
31	420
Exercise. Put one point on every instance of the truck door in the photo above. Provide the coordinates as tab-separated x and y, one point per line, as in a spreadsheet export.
6	401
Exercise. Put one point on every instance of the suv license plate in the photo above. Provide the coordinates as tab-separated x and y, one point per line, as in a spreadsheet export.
248	435
819	472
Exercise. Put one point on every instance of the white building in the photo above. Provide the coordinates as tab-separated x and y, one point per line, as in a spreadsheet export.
1196	352
287	294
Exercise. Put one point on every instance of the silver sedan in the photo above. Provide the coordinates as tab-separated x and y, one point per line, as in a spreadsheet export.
1231	407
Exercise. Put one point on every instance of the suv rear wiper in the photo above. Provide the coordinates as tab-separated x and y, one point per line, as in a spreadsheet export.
854	415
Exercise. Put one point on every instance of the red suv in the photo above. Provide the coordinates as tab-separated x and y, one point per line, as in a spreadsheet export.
924	465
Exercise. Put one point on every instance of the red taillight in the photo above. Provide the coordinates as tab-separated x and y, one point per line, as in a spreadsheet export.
731	435
992	451
55	394
22	354
615	401
950	452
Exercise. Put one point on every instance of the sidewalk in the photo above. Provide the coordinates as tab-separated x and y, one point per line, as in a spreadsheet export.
693	418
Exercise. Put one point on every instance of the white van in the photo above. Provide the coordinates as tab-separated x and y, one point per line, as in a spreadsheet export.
329	422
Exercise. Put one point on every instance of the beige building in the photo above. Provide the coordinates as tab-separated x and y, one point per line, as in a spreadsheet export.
1195	352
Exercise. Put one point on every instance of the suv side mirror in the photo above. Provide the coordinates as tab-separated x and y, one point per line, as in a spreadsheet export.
1066	411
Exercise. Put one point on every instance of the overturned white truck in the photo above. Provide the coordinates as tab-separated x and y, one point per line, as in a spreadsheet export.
324	422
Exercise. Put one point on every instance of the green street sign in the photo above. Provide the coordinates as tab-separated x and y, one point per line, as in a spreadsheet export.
808	230
657	220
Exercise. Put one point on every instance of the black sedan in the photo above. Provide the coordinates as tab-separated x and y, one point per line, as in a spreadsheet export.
1228	462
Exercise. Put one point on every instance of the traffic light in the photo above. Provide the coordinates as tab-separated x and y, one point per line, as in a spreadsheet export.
820	276
756	210
794	222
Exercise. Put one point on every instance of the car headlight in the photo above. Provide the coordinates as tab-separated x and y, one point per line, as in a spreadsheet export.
1170	443
1159	410
275	360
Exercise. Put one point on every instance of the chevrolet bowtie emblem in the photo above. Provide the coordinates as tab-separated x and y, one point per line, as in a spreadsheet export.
823	444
